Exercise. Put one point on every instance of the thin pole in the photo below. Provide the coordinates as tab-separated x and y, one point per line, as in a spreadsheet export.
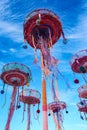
11	109
28	117
44	99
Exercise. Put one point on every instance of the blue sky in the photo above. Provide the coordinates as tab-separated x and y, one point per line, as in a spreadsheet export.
73	15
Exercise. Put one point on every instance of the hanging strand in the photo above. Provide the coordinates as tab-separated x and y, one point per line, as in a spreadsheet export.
33	42
17	105
24	109
56	123
35	56
64	38
5	97
35	50
50	45
53	90
56	88
2	91
34	114
68	85
22	91
3	86
85	78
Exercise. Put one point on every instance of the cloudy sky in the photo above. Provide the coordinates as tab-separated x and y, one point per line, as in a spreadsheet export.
73	15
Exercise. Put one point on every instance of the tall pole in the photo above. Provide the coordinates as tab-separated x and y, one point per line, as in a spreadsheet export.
11	109
44	99
28	117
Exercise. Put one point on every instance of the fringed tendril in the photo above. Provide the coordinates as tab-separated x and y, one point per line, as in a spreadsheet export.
5	97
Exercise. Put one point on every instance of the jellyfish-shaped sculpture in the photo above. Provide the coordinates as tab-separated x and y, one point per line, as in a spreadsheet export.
30	97
79	64
16	75
82	105
42	29
56	110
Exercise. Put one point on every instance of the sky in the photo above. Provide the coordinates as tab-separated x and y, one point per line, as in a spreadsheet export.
73	15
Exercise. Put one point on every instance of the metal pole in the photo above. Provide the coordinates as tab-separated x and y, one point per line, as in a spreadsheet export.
11	109
28	117
44	100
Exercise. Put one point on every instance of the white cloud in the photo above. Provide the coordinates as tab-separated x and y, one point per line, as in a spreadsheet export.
12	50
4	8
3	51
11	30
80	31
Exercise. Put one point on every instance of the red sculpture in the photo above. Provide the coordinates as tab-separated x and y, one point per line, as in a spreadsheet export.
16	75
